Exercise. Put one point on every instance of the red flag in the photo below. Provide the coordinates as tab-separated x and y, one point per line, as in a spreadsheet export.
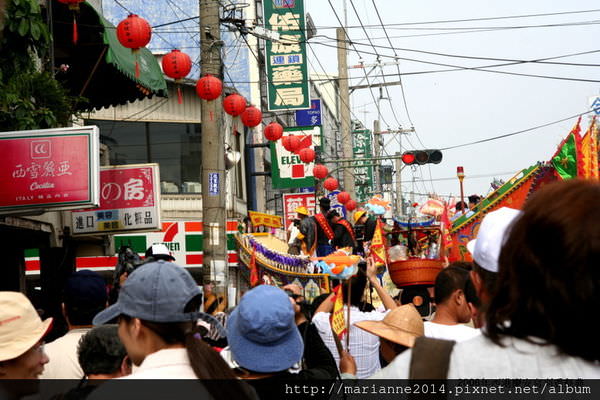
254	279
337	320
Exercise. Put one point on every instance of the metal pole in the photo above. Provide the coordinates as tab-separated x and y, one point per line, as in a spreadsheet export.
344	104
213	155
377	150
399	210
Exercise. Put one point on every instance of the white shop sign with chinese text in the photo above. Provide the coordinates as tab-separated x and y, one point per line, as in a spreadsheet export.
128	201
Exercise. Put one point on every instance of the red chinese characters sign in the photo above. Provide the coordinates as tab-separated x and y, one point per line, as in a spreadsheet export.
128	201
291	201
49	169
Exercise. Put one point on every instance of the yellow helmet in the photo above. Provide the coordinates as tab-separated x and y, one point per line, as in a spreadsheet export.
358	215
302	210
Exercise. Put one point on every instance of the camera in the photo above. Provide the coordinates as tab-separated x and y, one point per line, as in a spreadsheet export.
359	232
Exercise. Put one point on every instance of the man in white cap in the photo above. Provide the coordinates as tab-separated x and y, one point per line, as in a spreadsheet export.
21	338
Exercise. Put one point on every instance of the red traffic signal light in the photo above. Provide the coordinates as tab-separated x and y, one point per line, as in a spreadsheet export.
421	157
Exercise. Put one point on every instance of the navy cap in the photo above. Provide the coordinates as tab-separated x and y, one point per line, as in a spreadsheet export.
87	288
155	292
262	333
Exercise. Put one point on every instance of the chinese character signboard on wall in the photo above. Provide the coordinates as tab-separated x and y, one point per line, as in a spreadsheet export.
288	87
49	169
287	170
291	201
363	170
128	201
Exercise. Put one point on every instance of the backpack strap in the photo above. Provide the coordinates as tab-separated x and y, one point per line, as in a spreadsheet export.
430	358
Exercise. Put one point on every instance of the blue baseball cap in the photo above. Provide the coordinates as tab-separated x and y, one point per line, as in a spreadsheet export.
262	332
156	292
85	288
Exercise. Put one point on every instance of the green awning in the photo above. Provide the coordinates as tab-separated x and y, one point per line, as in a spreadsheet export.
100	69
151	76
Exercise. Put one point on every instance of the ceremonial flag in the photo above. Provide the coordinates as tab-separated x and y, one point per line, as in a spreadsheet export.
378	245
567	159
337	321
589	151
445	228
254	279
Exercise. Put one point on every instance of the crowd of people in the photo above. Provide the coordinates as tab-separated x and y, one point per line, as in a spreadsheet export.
517	311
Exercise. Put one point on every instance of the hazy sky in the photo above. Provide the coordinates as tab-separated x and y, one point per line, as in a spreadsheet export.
457	107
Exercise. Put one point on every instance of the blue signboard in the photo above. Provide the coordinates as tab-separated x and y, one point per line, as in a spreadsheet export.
311	116
335	204
213	183
307	189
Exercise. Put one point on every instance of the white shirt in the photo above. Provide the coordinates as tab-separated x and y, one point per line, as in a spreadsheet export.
165	364
62	353
458	332
364	347
480	358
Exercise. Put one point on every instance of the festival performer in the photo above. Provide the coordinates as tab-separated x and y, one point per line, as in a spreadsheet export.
342	230
307	236
324	230
364	229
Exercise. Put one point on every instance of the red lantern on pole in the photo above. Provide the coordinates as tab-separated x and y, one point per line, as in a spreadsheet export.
209	87
177	65
251	117
343	197
134	33
320	171
330	184
351	205
273	131
307	155
234	104
74	7
293	143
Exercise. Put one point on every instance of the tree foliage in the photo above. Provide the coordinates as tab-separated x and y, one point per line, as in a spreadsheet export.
29	98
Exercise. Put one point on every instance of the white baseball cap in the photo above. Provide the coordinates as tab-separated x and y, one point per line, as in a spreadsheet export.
491	236
20	325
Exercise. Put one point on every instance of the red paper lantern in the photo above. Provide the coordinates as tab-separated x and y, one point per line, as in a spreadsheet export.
273	131
293	143
234	104
343	197
350	205
251	117
330	184
177	65
285	142
209	87
73	6
307	155
134	33
320	171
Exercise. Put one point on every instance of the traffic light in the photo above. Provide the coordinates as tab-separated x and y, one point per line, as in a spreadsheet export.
421	157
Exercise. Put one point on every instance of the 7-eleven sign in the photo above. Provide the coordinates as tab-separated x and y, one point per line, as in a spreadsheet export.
287	170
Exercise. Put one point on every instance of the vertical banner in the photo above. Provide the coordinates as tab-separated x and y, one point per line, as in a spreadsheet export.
287	72
291	201
363	171
128	201
287	170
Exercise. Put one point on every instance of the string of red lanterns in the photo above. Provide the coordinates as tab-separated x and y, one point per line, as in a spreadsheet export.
134	33
177	65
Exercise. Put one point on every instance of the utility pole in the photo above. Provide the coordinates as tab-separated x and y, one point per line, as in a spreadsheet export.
344	104
399	209
377	151
215	268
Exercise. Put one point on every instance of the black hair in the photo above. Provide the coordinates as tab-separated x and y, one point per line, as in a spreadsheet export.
548	277
474	199
100	351
410	292
461	205
82	312
488	278
357	286
449	280
205	361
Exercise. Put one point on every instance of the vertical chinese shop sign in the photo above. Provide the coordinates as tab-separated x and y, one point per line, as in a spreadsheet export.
128	201
287	72
49	169
363	170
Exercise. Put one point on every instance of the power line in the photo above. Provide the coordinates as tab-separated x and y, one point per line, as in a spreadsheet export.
517	132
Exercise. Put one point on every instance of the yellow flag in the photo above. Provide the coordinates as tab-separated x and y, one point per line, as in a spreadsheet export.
337	320
377	250
589	152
